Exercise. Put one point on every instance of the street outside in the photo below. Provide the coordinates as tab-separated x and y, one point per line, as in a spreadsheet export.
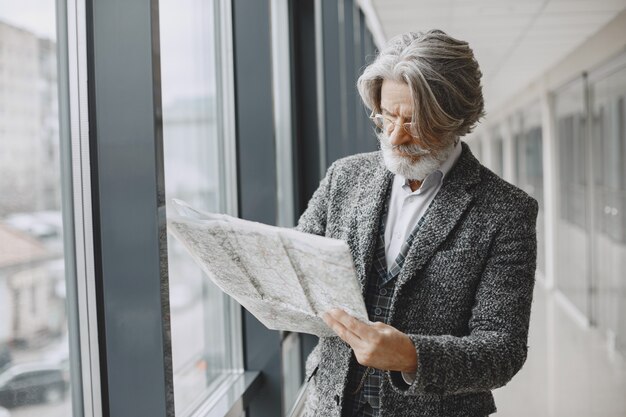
187	343
54	351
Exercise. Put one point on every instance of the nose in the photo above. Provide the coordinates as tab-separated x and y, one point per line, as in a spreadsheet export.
399	136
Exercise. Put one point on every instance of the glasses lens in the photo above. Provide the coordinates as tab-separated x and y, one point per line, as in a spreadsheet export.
387	125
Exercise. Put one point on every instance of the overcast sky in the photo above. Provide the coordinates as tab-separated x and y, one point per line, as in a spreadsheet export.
187	41
36	16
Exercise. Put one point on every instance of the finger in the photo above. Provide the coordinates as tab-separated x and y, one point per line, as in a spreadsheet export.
335	324
328	319
361	329
342	331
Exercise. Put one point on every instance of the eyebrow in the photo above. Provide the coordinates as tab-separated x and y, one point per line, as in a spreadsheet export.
384	110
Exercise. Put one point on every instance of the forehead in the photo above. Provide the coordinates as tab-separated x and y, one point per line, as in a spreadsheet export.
395	97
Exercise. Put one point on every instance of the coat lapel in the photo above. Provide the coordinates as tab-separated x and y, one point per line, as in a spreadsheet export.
371	202
443	214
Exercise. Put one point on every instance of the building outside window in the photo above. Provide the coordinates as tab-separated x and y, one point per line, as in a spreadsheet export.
34	346
205	338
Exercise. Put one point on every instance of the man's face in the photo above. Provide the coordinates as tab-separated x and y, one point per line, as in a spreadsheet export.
404	154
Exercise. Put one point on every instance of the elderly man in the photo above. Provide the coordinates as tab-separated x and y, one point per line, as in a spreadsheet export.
444	249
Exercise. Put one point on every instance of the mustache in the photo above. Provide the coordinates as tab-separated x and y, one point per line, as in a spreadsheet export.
412	149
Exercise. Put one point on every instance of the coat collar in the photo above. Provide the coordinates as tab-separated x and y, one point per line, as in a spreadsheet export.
442	215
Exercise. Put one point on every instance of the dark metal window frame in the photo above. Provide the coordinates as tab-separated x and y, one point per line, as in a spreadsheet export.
126	211
129	217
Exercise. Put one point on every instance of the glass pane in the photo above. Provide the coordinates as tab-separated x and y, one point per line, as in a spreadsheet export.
608	96
572	228
34	354
199	310
291	370
527	136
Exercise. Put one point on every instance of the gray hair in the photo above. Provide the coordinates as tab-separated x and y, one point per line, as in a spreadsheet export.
444	79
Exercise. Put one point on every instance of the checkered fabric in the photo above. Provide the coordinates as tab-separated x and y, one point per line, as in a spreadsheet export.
380	288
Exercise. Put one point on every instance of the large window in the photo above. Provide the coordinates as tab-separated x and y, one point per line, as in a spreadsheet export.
572	222
34	340
528	147
204	321
608	98
591	226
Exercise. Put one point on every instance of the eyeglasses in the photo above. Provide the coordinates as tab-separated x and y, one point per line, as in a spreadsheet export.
388	125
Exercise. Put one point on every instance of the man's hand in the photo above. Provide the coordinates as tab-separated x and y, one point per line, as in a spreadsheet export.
377	345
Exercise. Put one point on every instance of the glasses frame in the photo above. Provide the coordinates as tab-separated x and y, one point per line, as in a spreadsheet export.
408	127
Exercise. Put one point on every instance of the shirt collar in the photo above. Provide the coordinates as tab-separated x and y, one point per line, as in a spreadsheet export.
437	176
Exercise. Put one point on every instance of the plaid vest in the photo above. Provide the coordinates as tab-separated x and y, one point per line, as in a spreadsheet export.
379	293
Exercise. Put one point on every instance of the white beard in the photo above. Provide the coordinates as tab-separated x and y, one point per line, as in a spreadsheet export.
427	163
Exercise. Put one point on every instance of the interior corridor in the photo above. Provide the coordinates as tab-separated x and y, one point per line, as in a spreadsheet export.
570	370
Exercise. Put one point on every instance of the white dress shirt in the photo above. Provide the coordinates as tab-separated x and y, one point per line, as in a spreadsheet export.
405	209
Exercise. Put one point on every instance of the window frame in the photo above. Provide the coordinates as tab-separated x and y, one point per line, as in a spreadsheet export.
77	209
104	62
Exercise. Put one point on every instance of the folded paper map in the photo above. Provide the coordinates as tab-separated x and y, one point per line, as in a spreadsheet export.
287	279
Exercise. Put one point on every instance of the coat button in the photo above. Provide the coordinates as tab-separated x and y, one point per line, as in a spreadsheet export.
337	399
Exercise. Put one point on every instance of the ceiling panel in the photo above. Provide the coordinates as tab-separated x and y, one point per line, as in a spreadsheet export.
583	6
514	41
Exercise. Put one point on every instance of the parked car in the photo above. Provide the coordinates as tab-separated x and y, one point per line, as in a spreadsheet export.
4	412
32	383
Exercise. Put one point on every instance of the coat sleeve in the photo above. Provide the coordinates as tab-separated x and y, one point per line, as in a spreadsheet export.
495	349
313	220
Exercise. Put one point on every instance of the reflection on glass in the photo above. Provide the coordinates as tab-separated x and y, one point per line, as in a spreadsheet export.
608	96
34	355
199	310
572	226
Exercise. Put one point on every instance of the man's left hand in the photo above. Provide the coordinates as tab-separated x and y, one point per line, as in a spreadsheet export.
377	345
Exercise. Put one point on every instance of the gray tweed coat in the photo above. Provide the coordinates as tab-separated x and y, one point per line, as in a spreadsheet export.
463	296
